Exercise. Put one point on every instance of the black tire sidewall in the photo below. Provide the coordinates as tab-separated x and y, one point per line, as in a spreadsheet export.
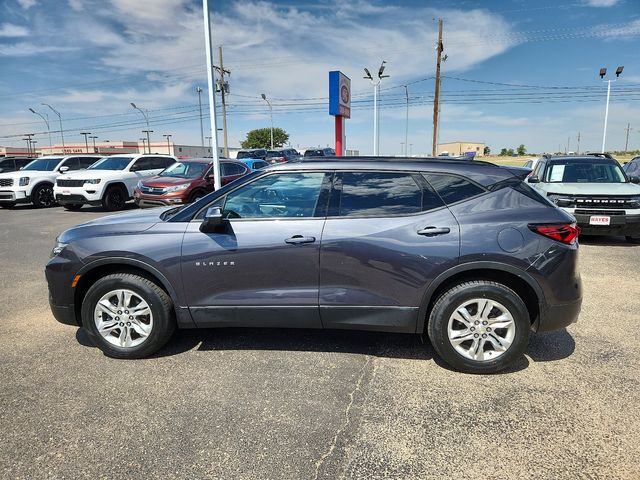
107	202
451	299
36	192
158	300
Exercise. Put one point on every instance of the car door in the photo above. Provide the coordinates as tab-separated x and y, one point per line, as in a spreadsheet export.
261	268
387	236
7	165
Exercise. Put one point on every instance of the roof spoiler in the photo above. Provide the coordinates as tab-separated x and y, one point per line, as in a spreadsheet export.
520	172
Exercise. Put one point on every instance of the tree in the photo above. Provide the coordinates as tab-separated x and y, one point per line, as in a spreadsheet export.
503	152
261	138
510	152
487	150
522	149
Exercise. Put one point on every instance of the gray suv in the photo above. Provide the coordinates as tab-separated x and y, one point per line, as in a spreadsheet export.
461	250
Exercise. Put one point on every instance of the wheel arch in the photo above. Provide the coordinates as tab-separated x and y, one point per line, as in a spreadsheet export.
518	280
115	183
93	271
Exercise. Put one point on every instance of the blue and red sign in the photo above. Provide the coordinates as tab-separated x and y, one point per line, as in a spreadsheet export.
339	94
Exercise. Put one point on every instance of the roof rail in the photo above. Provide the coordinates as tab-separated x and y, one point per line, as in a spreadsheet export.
600	154
395	159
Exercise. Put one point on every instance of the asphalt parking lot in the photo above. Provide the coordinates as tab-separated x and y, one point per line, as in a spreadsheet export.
284	404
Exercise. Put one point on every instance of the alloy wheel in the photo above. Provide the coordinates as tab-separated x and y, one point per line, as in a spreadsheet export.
123	318
45	197
481	329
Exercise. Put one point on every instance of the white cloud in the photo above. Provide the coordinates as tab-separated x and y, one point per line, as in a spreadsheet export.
26	4
11	30
23	49
600	3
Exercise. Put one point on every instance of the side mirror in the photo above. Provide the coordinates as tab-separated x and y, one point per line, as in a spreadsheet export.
533	179
210	177
63	169
212	220
634	179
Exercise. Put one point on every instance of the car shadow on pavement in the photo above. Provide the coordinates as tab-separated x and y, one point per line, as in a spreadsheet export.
542	347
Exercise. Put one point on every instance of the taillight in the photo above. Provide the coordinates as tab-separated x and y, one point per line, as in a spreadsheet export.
565	233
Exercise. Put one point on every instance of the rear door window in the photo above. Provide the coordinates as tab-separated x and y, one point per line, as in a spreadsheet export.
379	194
453	188
7	165
72	163
86	162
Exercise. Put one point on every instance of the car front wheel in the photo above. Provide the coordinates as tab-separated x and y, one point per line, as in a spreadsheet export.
114	199
42	196
479	327
129	316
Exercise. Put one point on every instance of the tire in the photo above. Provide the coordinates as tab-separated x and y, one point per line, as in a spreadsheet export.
42	196
144	333
74	207
480	348
114	198
195	196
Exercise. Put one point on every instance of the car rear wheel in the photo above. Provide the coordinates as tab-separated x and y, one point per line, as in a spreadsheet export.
42	196
114	198
479	327
129	316
73	206
195	196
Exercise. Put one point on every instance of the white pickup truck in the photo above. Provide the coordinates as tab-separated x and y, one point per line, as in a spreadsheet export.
109	182
34	182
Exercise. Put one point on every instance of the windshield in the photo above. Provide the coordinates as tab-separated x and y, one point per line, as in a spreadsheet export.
111	163
185	170
43	164
588	171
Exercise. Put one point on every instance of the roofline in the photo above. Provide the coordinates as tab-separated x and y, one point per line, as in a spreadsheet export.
443	160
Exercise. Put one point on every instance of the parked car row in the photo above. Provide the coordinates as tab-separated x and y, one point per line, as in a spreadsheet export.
151	180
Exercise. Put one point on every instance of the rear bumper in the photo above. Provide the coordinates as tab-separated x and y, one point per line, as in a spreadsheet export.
556	317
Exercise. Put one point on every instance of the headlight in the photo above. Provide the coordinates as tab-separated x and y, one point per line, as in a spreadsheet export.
57	250
140	184
23	181
634	202
560	200
177	188
93	181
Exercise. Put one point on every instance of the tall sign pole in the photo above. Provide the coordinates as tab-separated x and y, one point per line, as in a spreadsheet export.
436	99
339	106
212	94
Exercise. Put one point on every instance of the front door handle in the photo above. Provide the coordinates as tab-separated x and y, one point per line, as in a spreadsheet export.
299	239
433	231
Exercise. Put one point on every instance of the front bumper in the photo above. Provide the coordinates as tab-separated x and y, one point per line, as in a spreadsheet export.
151	201
619	225
64	313
60	272
12	196
77	195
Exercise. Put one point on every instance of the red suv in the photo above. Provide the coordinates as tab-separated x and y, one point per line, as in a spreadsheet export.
185	181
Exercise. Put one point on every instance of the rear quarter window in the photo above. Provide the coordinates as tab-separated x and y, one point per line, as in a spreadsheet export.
453	188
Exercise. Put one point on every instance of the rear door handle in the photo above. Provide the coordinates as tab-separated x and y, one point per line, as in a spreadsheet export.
433	231
299	239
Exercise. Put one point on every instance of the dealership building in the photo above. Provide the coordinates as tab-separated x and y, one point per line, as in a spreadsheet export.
457	149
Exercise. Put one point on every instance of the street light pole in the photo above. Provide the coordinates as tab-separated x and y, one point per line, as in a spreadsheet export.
146	118
59	119
199	91
93	137
264	97
603	72
86	141
376	118
46	121
168	136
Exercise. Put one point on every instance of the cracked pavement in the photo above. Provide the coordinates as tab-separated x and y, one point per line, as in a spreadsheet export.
287	404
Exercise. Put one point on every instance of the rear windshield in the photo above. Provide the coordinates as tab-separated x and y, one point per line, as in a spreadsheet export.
43	164
255	154
314	153
185	170
111	163
587	171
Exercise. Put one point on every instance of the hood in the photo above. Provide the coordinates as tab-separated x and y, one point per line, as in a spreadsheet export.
28	173
159	182
87	174
611	189
122	223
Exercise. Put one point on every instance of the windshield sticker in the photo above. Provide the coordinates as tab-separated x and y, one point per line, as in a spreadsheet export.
557	172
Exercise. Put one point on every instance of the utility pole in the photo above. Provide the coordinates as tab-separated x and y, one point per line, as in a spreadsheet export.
86	141
626	142
168	136
222	71
28	140
199	91
93	137
436	99
406	123
568	140
148	139
578	146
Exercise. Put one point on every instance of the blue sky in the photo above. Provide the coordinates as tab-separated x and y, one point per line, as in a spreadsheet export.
517	71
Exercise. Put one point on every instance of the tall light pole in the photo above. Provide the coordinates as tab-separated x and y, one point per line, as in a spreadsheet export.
603	72
86	141
44	117
168	136
264	97
146	118
93	137
148	139
376	117
59	119
212	93
199	91
406	123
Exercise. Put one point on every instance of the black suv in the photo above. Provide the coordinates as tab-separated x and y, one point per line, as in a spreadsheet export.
320	152
259	153
461	250
12	164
